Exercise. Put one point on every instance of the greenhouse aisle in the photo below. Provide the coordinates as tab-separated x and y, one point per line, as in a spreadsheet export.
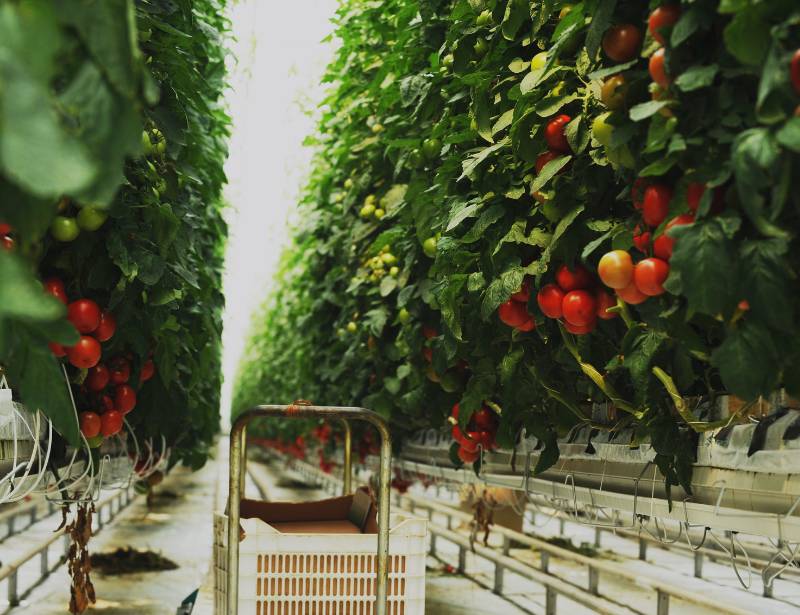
179	527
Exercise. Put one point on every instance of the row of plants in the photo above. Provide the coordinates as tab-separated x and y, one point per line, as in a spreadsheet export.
111	151
530	208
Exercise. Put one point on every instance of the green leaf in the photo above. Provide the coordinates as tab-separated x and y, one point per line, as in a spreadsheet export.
765	281
36	152
549	171
21	295
704	258
748	361
644	110
639	349
688	23
696	77
500	290
471	164
515	15
789	135
42	386
601	20
482	111
747	35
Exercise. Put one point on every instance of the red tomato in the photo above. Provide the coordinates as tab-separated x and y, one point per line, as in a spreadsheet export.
577	279
523	295
658	72
580	330
84	314
468	456
485	439
147	371
663	18
649	276
90	424
663	245
106	327
7	243
454	411
120	369
580	308
55	287
125	398
471	441
57	349
656	204
526	326
98	378
106	402
543	159
616	269
694	193
641	239
631	294
621	42
794	71
550	298
86	353
554	133
427	354
605	301
513	313
744	305
429	332
5	228
484	419
110	423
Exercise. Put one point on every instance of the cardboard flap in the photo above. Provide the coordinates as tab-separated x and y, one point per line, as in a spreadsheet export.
357	509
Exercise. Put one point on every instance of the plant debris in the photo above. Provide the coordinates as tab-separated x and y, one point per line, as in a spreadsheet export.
129	560
80	564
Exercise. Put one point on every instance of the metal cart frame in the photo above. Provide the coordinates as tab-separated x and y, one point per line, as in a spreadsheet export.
238	450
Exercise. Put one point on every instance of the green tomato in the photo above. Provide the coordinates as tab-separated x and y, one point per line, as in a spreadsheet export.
484	18
352	327
452	381
157	137
379	213
404	316
340	332
602	131
429	247
91	218
367	210
389	258
539	60
371	200
415	159
394	271
480	47
348	183
65	229
448	60
377	128
147	146
431	148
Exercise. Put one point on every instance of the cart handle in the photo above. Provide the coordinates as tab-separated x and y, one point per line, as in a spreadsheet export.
236	486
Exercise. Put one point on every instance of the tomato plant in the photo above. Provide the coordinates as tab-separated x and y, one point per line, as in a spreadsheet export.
530	159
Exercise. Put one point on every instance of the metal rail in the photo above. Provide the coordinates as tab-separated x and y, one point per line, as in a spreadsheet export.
664	591
238	460
29	512
10	572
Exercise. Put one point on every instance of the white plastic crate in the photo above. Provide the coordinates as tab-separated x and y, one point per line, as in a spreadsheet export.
321	574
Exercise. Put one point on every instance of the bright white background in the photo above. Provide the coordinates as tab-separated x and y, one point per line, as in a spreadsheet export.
277	61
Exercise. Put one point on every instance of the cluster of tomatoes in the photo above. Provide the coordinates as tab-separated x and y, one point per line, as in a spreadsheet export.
106	385
514	312
6	240
556	138
480	434
576	300
68	224
634	283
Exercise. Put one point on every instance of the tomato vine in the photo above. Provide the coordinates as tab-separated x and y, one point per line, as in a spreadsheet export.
506	142
111	152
